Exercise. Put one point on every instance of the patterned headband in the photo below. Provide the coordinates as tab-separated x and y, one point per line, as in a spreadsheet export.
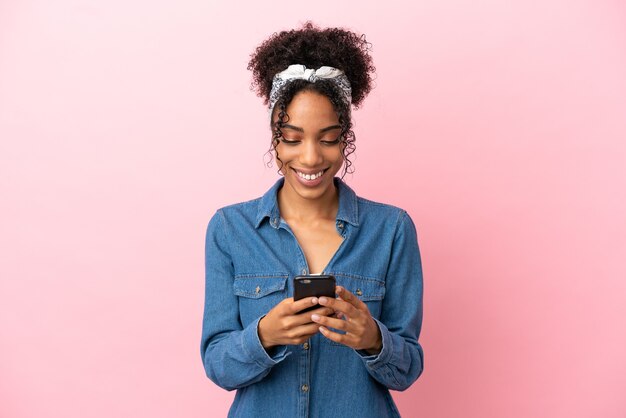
300	72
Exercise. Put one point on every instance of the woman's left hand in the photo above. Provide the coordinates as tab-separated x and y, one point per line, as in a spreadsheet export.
361	331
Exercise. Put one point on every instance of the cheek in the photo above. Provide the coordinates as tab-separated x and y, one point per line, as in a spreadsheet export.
336	155
284	151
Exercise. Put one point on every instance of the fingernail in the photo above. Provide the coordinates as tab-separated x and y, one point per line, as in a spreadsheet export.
314	301
315	317
323	300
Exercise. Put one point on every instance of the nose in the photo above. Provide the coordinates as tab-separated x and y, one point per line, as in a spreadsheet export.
311	155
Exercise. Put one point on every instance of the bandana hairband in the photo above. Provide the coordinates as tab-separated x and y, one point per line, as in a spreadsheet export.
300	72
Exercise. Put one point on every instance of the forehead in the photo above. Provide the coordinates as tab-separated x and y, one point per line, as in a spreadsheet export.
309	109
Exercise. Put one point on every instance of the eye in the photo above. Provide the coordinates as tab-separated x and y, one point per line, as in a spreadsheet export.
331	141
289	141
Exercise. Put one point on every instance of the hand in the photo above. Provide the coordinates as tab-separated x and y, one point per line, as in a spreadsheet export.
283	325
362	332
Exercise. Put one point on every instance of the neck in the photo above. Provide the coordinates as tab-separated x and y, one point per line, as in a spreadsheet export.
296	208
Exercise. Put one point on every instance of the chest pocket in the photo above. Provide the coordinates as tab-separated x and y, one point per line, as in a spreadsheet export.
258	294
369	290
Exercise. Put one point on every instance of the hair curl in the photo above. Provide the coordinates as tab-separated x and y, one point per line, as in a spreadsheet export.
314	47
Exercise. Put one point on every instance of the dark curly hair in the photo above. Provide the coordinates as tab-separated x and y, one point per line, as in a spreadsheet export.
314	47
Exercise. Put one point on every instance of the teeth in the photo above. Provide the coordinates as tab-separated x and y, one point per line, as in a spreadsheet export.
310	176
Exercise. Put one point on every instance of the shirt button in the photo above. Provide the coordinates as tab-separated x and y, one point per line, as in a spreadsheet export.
303	271
359	292
258	289
305	346
340	225
305	388
274	221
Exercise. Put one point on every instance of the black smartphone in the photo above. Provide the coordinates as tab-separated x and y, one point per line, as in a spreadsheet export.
313	285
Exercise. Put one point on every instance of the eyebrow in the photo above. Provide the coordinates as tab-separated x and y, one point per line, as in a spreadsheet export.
299	129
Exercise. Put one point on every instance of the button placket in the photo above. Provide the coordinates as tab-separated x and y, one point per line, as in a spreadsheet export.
304	378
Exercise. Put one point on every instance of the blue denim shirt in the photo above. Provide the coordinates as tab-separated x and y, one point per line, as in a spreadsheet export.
251	259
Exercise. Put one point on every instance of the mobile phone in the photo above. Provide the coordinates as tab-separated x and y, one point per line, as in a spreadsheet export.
313	285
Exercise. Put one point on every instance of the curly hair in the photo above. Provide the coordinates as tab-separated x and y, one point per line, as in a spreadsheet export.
314	47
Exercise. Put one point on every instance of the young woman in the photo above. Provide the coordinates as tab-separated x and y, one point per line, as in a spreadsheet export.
341	358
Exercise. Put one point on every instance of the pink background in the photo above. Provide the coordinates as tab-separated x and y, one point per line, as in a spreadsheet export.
499	126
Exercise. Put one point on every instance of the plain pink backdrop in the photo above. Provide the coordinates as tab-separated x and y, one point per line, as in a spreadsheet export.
499	126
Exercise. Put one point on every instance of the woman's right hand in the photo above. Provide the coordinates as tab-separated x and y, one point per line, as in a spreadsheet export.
283	325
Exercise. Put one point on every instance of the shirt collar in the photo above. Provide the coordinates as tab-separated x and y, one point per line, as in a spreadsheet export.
347	212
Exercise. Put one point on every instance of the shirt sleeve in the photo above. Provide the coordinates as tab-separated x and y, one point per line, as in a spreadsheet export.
401	359
233	355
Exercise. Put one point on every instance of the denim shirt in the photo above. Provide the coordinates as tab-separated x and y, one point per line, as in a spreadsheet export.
251	258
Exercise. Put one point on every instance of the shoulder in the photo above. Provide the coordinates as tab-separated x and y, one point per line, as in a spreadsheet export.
241	214
241	209
385	217
373	209
251	211
358	210
368	205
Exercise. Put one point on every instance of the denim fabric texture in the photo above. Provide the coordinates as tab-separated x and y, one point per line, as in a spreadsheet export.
251	258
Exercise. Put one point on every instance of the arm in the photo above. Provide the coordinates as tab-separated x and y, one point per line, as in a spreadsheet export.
401	359
388	346
233	356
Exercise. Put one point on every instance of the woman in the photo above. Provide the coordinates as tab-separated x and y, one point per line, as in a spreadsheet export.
341	358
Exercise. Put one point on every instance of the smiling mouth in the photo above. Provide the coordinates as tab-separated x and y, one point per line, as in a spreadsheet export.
310	177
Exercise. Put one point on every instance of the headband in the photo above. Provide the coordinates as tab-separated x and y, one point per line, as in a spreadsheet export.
300	72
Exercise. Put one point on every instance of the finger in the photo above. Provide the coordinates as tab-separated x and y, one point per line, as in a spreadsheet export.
338	305
322	310
305	317
325	310
304	330
299	305
334	336
350	297
339	315
331	322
